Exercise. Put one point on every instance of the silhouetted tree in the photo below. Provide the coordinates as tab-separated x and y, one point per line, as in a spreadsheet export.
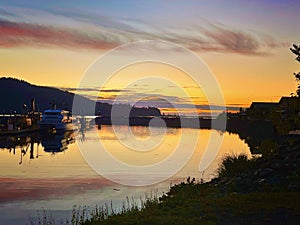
296	50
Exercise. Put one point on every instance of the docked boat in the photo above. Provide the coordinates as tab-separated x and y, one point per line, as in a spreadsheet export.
56	119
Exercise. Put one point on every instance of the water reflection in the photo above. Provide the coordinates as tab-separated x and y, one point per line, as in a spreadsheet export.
57	142
37	145
29	144
23	143
48	171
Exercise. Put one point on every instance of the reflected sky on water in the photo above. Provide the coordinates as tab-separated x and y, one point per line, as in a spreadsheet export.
49	171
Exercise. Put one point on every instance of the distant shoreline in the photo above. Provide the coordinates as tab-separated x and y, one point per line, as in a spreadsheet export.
172	122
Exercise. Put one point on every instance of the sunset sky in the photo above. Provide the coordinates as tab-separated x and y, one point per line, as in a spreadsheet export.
244	43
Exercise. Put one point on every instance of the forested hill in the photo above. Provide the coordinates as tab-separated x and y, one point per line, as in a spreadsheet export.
15	93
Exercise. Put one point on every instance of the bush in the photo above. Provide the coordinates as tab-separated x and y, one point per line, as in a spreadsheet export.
233	165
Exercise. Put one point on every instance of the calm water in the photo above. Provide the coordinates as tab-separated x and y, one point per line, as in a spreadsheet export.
51	172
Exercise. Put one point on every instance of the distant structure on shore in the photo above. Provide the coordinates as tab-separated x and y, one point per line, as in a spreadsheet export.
264	110
14	123
284	115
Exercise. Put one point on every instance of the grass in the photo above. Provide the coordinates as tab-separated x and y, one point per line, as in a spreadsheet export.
43	217
203	204
85	215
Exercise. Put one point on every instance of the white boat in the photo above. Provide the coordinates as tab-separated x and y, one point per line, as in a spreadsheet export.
56	119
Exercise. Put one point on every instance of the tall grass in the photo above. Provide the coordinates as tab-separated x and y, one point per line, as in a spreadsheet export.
43	217
80	215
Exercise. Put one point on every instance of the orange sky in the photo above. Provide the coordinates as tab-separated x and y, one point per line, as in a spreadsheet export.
243	79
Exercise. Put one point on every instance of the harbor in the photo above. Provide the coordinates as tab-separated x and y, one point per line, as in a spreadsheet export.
54	119
16	123
51	120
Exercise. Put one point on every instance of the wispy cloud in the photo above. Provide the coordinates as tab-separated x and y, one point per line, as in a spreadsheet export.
235	41
93	89
162	101
74	89
22	27
21	34
136	97
225	39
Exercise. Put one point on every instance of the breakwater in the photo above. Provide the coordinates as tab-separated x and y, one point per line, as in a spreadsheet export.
172	122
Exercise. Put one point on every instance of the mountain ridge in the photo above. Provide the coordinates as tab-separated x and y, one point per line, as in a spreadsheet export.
15	94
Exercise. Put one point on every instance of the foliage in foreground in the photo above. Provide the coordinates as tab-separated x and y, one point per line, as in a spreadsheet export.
296	50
